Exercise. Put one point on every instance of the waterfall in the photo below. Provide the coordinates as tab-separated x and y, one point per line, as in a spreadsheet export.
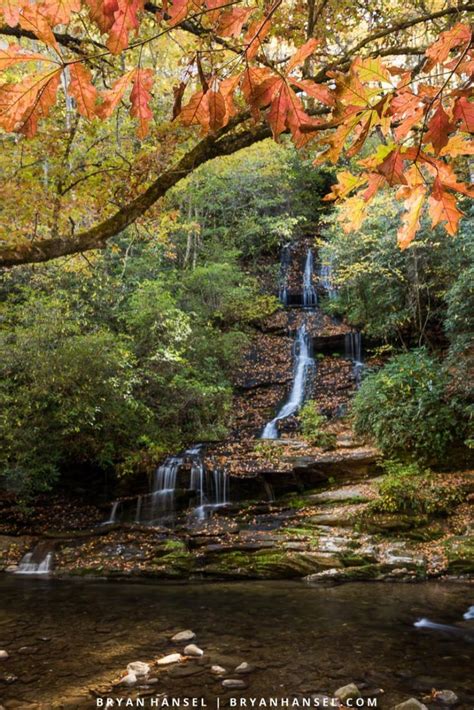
39	561
309	293
326	278
285	261
353	351
164	487
113	513
303	369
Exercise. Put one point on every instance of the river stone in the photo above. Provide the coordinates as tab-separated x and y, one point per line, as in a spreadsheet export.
244	668
184	636
130	679
347	692
139	668
218	670
411	704
193	650
168	660
446	697
4	655
234	684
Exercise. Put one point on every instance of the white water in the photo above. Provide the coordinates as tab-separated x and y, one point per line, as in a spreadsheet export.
427	624
284	267
28	566
309	293
326	278
304	366
113	513
469	614
353	351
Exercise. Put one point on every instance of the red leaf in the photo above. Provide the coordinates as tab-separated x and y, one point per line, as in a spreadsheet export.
23	104
196	111
14	54
231	22
125	20
464	112
10	9
438	129
448	40
113	96
216	108
59	12
305	51
393	168
316	91
375	183
83	90
140	97
35	20
256	33
102	13
443	209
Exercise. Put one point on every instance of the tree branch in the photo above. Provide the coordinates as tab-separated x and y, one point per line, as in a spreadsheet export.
96	237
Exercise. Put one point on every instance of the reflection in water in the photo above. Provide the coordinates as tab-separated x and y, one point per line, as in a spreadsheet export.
300	639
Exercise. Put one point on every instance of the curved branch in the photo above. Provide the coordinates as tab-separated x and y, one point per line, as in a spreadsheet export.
97	237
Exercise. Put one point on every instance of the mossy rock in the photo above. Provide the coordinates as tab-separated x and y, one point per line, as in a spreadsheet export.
268	564
387	523
425	534
460	554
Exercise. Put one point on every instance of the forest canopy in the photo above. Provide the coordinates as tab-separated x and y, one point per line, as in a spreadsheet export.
105	106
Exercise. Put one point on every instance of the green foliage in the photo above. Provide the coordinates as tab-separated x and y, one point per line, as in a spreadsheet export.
404	407
394	295
407	488
314	426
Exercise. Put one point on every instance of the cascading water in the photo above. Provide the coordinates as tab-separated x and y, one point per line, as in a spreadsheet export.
309	292
285	261
39	561
327	280
304	369
113	513
353	351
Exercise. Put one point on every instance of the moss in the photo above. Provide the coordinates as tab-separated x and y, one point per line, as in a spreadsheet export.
266	564
387	524
460	554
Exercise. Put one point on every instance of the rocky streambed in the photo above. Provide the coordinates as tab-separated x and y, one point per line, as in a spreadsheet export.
68	644
322	535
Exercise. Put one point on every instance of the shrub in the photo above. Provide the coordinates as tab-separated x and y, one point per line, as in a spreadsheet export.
314	427
403	408
408	488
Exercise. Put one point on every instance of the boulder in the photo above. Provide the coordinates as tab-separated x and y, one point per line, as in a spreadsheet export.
411	704
139	668
130	679
183	636
4	655
218	670
244	668
347	692
193	650
446	697
168	660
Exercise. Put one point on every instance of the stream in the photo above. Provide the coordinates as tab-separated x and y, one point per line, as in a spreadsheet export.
66	637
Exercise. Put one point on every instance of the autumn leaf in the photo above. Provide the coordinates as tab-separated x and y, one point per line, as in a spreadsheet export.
102	13
34	19
125	20
411	217
464	112
231	22
443	209
448	40
393	168
438	128
375	182
305	51
112	97
196	111
24	103
458	145
256	33
352	214
216	109
59	12
14	54
83	90
317	91
346	183
10	9
371	69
